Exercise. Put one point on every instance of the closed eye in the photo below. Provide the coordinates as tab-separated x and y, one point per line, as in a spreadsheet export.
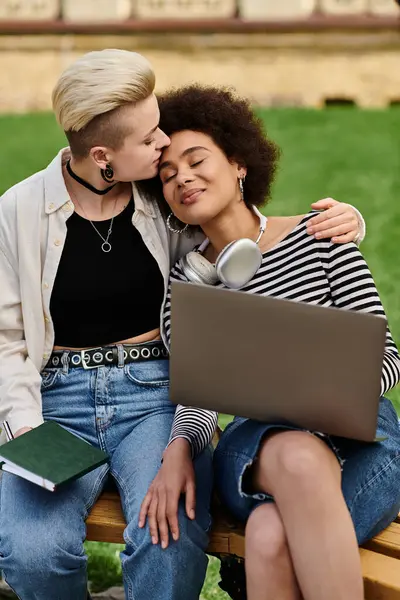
167	179
195	164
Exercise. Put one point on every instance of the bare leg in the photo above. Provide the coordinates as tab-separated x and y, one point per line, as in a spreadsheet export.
269	569
304	477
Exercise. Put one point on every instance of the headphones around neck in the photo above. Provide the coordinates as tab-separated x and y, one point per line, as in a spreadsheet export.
235	266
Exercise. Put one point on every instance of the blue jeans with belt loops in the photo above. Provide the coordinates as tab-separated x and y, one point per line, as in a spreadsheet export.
126	412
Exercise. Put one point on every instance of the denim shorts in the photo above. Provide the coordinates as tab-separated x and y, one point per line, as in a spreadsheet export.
370	471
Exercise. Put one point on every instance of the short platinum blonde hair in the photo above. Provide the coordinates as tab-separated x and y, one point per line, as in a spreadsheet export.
91	93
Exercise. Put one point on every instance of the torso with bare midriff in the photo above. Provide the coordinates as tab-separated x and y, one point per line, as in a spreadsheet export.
105	296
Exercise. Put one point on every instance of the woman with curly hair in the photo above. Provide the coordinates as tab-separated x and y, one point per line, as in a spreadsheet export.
308	499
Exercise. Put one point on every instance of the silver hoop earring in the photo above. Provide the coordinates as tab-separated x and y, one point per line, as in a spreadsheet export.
241	187
173	229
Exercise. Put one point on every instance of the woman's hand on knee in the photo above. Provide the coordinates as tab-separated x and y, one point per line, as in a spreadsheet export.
160	505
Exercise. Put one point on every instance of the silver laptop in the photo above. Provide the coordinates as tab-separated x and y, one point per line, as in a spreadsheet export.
276	360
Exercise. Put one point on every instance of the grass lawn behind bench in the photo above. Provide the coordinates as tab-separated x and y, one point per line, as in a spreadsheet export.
351	155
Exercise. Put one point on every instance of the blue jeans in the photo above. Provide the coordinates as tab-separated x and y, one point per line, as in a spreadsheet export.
126	412
370	471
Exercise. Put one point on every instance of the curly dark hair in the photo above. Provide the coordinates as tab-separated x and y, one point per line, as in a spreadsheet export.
232	124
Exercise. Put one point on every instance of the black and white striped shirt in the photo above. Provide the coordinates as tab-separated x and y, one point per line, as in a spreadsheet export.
303	269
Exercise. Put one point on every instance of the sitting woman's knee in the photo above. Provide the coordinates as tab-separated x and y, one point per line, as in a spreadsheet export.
265	534
193	536
299	454
38	556
294	457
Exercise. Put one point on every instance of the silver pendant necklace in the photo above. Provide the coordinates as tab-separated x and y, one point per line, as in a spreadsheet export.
106	246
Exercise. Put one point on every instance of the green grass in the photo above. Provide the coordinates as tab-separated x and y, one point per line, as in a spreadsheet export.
104	570
349	154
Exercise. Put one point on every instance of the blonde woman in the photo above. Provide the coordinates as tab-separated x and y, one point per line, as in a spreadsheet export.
84	264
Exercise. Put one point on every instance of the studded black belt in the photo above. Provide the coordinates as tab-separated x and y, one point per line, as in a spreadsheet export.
120	355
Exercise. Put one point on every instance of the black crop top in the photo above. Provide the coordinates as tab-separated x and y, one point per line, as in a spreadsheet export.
100	298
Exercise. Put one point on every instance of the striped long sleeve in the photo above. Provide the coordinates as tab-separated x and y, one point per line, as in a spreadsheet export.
353	288
197	425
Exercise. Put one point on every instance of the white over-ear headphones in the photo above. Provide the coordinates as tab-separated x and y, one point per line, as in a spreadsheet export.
235	266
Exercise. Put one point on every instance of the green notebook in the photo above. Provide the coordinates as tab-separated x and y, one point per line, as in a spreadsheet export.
49	455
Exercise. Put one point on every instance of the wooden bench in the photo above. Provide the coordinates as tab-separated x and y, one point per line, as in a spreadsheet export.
380	557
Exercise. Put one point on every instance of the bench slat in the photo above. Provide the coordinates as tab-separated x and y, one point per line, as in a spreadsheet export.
379	557
106	522
387	542
381	576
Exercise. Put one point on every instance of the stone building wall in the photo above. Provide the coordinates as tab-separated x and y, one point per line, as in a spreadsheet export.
288	67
